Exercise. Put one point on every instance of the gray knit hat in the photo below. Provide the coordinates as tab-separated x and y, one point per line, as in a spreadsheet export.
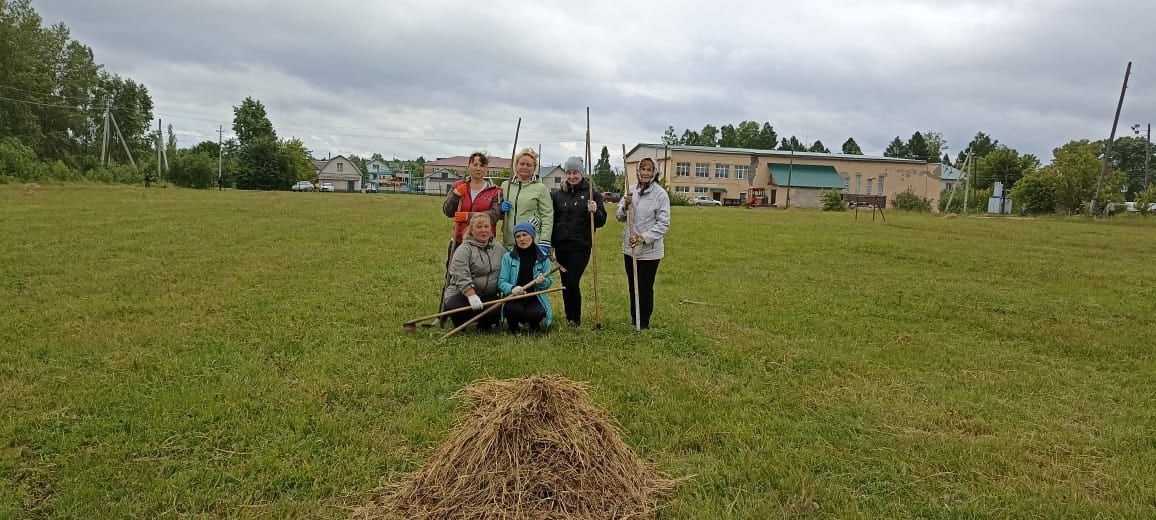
574	163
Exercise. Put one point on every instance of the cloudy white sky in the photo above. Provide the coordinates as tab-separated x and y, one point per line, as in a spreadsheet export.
408	78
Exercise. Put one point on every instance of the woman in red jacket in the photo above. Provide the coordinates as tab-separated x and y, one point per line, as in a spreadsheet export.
474	194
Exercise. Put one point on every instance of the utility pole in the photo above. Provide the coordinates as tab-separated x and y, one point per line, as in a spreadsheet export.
104	141
1111	139
1147	155
123	143
790	171
220	157
159	134
967	185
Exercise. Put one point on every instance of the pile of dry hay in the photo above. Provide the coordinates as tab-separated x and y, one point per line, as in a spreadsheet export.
529	448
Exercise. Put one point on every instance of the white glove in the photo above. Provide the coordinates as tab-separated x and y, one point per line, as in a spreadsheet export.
517	291
591	206
475	302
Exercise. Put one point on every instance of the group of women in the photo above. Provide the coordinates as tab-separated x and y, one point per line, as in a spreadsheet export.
540	228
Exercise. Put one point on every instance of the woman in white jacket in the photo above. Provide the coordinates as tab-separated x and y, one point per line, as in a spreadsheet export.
642	238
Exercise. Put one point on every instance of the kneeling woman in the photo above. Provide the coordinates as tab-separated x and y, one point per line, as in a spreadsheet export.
473	273
526	264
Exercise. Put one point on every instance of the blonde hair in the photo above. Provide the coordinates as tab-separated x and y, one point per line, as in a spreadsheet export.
525	151
475	217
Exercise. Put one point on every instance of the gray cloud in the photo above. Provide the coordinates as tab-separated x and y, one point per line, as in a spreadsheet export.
406	78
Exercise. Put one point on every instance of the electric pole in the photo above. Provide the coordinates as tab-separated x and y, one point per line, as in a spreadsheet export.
159	150
1111	139
220	157
1147	155
104	142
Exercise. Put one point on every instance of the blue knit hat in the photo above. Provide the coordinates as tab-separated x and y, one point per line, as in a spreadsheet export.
527	228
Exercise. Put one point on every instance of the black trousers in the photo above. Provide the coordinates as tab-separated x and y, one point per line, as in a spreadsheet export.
647	270
489	321
573	258
526	311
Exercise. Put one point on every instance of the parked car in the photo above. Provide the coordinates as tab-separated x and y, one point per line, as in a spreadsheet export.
704	201
302	186
610	196
326	186
371	188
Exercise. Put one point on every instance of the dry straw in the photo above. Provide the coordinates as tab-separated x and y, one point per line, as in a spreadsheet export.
529	448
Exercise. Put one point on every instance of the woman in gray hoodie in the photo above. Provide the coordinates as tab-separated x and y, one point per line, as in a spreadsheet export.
642	239
473	273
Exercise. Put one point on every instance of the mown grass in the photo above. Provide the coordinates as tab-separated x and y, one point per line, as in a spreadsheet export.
170	353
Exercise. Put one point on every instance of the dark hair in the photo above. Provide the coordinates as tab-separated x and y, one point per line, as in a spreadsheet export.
485	160
652	165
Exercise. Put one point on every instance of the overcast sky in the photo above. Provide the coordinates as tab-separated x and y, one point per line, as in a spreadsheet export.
408	78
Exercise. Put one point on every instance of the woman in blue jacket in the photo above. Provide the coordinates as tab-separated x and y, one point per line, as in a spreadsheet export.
526	264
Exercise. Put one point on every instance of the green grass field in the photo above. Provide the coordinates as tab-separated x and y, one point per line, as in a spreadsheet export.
176	353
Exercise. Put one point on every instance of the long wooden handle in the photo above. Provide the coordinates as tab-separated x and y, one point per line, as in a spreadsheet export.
510	181
593	241
496	304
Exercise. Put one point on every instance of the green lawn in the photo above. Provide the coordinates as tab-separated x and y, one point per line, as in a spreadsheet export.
174	353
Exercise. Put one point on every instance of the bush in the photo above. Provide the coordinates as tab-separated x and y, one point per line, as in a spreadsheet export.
909	201
194	170
17	160
833	201
1035	193
678	199
976	201
1144	200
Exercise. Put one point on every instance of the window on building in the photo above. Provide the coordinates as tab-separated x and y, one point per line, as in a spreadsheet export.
557	180
376	167
339	165
722	171
880	185
682	169
869	181
846	183
700	170
741	172
699	190
682	189
858	184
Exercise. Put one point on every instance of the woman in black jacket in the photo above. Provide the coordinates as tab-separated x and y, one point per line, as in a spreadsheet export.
572	238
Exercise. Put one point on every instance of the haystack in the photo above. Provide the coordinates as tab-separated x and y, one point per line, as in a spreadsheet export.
529	448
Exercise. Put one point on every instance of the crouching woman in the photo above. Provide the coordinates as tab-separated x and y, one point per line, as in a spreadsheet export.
474	270
526	268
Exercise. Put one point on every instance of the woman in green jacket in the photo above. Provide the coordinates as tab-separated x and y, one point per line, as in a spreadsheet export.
527	200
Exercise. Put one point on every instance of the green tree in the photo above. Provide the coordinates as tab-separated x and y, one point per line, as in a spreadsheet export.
850	147
1128	158
1035	193
817	147
251	123
603	174
1145	199
1003	165
193	169
708	136
1074	169
935	145
980	145
690	138
747	134
669	138
917	147
728	137
792	144
767	137
897	149
295	158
